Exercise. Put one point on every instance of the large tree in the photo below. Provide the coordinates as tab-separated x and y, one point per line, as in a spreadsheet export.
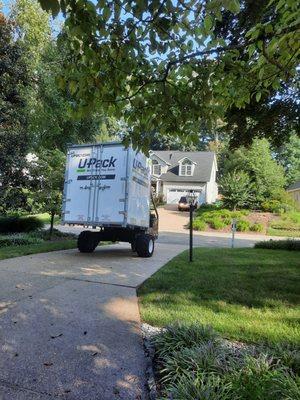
14	143
257	161
288	156
170	66
49	107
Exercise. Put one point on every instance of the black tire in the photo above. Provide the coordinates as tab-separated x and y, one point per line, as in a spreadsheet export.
87	241
133	246
145	246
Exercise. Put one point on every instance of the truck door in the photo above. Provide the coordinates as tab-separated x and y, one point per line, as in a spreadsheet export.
109	194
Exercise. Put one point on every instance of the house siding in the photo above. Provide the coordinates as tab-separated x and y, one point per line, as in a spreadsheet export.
295	195
173	185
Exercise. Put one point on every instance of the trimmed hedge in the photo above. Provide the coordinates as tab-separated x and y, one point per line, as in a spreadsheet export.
279	245
15	224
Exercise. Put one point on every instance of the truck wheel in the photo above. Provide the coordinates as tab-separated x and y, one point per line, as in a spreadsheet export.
144	246
87	241
133	246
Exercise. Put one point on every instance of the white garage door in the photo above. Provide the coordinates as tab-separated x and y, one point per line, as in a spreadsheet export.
173	195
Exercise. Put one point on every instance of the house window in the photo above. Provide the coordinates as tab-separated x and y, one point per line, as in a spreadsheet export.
186	168
156	168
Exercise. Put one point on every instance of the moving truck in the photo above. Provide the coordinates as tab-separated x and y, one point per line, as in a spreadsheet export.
108	186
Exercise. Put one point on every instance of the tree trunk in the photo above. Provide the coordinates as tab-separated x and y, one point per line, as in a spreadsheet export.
51	224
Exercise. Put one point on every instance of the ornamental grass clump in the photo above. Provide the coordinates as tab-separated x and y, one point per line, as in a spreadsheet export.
199	225
193	362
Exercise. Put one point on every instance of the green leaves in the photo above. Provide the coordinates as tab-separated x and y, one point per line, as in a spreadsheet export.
135	59
232	5
52	6
208	23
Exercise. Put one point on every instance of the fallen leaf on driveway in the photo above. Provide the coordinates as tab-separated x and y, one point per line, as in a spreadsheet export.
56	336
48	364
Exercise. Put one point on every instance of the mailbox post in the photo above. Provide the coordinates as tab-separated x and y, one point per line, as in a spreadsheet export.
233	230
192	199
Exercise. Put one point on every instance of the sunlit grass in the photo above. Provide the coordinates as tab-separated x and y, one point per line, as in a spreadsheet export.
245	294
16	251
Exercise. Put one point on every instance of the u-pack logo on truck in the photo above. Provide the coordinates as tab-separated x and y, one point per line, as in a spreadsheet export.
85	164
93	162
139	167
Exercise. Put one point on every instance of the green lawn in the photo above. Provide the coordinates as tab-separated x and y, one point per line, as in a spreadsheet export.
283	233
245	294
45	217
16	251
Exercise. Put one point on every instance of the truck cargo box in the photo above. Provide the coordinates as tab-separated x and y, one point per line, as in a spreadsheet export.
106	185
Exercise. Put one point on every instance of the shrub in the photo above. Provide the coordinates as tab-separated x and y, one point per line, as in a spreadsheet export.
257	227
242	226
199	225
271	205
236	188
288	244
217	223
15	224
224	213
18	240
209	207
292	216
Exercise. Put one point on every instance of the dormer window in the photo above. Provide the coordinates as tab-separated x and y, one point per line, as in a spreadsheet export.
186	167
156	168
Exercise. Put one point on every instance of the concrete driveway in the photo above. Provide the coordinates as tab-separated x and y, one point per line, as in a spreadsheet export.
69	324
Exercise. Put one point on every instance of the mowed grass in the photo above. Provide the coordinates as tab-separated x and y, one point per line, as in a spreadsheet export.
283	233
46	218
245	294
16	251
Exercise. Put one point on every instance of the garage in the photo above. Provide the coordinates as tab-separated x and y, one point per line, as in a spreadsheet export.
173	195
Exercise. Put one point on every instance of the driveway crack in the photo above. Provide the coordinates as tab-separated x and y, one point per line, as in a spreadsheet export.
100	282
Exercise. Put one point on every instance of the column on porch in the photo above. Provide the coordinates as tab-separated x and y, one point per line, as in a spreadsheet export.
158	186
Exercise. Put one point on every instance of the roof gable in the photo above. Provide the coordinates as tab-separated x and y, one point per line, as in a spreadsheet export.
204	163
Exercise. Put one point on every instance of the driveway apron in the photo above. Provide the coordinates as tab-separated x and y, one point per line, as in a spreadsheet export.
70	326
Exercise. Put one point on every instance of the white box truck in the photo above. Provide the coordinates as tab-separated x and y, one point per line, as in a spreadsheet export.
108	186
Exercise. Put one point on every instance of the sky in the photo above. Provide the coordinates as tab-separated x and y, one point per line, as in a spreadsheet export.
6	5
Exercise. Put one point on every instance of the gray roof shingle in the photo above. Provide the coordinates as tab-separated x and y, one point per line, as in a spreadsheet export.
204	162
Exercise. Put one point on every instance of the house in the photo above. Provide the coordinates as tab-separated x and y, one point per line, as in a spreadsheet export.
177	173
294	191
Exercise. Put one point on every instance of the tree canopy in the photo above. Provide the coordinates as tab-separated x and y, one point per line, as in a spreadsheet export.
266	175
14	81
169	66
